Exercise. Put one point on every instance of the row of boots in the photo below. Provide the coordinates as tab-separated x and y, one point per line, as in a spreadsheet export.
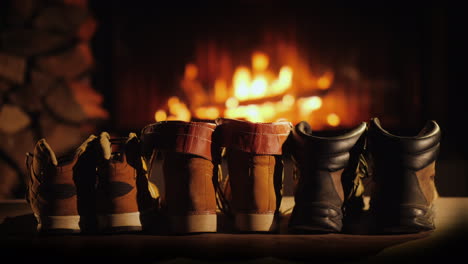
104	186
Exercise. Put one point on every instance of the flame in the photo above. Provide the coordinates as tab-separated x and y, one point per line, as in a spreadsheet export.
288	100
220	90
309	104
256	93
160	115
258	87
232	103
178	110
210	112
333	119
325	81
191	72
241	83
260	61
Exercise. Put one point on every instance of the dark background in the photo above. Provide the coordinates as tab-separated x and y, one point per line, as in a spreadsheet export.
416	49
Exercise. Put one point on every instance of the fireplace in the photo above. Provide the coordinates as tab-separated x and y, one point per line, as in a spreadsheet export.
331	66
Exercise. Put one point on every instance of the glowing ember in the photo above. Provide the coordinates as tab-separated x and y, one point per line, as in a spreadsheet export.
333	120
160	115
325	81
260	61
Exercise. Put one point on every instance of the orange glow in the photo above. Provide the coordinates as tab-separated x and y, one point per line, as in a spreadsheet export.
288	100
325	81
333	119
207	112
220	90
259	87
309	104
241	83
231	103
160	115
178	110
260	61
267	111
173	101
191	72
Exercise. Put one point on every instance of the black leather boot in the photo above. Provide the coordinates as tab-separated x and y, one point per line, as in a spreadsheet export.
403	176
325	170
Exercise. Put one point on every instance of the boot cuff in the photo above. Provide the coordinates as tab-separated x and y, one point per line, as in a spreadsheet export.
255	138
178	136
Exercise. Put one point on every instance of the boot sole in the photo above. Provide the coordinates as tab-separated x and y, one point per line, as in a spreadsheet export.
58	224
206	223
119	223
255	222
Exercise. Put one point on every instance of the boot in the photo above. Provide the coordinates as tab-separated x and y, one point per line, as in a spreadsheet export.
255	168
56	192
403	175
186	148
324	175
126	199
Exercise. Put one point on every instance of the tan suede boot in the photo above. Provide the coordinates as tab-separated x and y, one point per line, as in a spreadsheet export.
125	202
52	192
189	199
255	167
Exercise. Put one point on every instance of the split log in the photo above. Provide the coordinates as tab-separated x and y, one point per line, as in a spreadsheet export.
21	11
13	119
12	68
68	64
61	102
27	42
65	19
86	30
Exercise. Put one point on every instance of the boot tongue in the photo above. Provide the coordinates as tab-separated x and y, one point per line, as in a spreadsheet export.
43	153
105	143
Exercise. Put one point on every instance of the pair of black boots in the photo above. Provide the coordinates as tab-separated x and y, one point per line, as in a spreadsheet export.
331	171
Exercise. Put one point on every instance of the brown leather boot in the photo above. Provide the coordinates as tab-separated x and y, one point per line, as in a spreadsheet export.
125	202
403	175
255	167
325	176
189	200
52	192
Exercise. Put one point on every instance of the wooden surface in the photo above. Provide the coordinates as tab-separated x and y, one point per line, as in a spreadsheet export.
18	238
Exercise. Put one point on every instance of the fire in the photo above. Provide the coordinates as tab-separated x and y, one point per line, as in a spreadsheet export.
263	92
333	119
260	61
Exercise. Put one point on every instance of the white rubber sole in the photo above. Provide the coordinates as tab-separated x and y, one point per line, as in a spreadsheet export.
205	223
65	223
120	222
255	222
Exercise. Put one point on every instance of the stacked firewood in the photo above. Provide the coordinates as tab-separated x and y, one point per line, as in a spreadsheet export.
46	91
